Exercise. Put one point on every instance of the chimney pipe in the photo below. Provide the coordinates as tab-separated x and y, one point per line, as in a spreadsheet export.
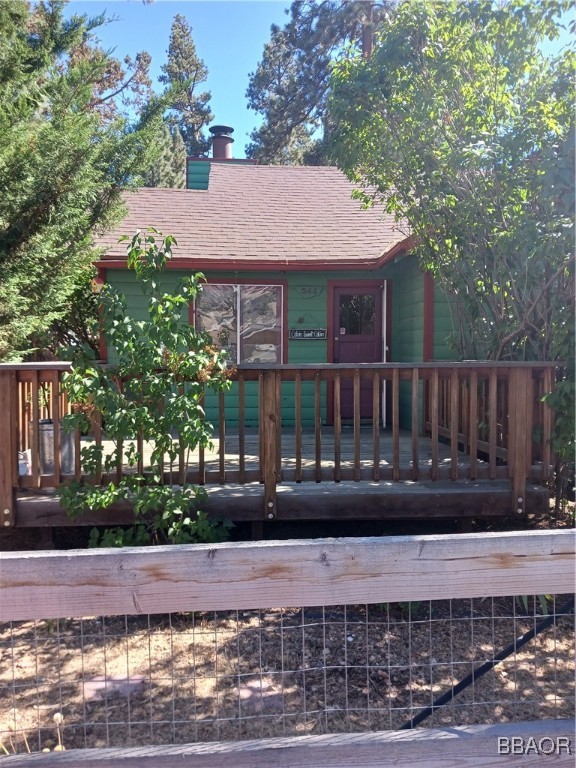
221	142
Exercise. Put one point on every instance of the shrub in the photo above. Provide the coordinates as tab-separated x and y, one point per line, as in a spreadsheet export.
152	392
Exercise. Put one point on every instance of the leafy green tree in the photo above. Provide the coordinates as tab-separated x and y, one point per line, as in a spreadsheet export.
169	169
464	128
152	393
184	70
65	158
290	86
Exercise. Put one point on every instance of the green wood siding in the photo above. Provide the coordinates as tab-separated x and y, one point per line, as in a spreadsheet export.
307	308
407	325
407	311
442	326
306	298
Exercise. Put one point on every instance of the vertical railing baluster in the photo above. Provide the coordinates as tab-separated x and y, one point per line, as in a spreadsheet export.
504	383
520	398
396	424
140	451
120	462
415	431
181	447
454	406
492	422
241	428
547	419
317	429
473	421
279	427
269	416
35	431
434	420
77	457
8	448
201	449
98	441
221	439
464	409
54	383
298	424
23	418
376	426
356	470
337	427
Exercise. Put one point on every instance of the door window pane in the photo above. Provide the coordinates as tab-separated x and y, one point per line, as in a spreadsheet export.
358	314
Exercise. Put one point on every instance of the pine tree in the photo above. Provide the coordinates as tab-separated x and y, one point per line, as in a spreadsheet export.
291	84
169	170
64	165
190	111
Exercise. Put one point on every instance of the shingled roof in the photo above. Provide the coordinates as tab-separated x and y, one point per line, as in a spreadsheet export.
262	216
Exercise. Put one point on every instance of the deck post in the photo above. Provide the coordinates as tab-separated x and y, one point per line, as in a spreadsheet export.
8	447
520	397
270	437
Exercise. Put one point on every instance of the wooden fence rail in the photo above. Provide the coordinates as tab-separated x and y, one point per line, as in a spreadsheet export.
473	746
230	576
319	572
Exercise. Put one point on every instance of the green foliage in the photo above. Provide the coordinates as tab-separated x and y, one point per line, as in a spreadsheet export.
544	601
291	84
66	154
185	72
135	536
169	169
464	129
152	393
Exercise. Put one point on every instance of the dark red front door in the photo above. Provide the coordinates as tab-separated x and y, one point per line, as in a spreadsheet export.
357	338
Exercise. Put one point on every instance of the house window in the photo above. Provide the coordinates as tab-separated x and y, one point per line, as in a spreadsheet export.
246	320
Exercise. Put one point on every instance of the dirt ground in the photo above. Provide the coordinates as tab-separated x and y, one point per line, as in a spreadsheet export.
126	681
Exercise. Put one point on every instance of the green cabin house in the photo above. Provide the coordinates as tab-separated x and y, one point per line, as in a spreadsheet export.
297	271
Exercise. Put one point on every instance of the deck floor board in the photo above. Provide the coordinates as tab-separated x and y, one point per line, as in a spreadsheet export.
288	450
327	453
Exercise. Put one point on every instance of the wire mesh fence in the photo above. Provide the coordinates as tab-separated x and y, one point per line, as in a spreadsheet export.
214	676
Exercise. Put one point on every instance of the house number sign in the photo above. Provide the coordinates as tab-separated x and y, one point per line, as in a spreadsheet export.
307	333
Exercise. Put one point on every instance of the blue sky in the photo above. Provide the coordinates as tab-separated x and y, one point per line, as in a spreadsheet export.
229	37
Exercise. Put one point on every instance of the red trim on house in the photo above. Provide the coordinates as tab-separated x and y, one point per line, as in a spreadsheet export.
267	265
102	349
254	281
428	335
388	339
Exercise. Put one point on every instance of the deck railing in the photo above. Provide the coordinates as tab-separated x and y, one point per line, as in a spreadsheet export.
427	422
493	413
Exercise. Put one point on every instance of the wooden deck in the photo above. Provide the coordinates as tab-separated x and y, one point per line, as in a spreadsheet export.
477	444
324	499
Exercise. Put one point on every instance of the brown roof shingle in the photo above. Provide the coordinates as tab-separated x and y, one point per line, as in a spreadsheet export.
285	216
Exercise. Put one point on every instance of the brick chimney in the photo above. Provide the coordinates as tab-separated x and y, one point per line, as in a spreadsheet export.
221	142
